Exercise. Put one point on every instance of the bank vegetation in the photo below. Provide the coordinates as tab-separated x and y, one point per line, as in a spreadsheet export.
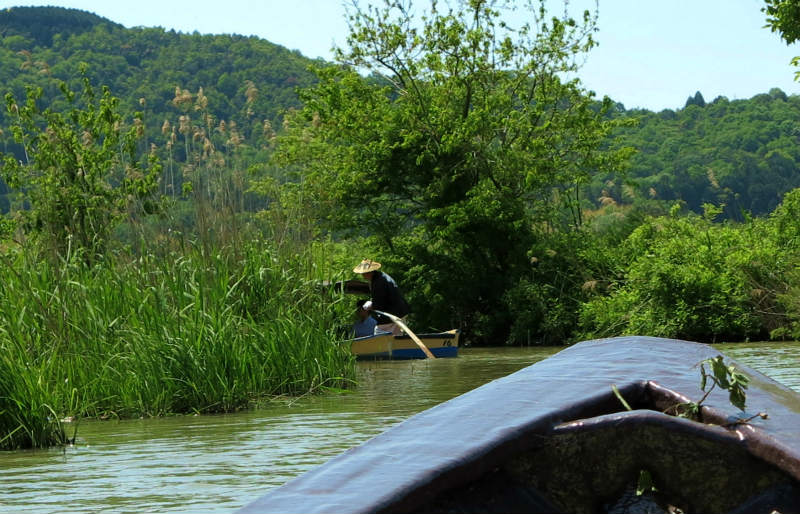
163	254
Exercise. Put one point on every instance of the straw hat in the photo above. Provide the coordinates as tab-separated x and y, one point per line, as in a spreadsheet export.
366	266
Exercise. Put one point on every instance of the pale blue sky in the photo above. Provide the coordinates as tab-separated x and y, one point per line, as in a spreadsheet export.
652	54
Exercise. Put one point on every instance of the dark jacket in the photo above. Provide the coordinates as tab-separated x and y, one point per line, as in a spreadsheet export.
386	297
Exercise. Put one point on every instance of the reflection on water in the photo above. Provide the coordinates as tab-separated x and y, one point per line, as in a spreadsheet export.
220	463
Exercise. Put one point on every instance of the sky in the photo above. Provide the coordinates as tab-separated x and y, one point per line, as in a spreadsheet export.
652	54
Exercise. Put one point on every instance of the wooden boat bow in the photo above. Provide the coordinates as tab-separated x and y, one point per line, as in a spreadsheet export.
553	437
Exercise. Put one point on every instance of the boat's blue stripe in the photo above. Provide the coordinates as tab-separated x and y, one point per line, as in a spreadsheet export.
416	353
413	353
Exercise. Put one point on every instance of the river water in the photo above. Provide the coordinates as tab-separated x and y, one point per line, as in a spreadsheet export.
219	463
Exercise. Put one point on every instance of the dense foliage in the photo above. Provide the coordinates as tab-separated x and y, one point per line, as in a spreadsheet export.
206	91
135	63
454	164
223	92
137	280
173	202
783	16
740	153
183	332
81	171
691	278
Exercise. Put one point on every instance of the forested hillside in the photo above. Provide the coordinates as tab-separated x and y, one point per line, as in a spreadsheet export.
243	78
741	153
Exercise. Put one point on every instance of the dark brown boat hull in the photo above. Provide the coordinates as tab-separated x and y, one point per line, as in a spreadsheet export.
553	437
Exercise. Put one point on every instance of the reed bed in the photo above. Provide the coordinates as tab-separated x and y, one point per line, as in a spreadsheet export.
150	336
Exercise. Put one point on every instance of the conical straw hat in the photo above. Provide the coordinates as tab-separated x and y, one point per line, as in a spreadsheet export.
366	266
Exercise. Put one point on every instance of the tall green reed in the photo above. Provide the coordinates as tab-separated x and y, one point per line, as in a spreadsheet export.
194	331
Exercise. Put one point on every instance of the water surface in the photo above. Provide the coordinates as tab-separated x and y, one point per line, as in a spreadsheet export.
220	463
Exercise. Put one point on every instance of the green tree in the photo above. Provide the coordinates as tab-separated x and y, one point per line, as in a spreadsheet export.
466	138
697	100
783	16
81	171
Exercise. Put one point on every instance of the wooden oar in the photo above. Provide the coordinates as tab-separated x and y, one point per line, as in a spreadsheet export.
412	334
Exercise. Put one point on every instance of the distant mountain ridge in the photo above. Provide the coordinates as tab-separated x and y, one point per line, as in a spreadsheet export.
40	24
144	66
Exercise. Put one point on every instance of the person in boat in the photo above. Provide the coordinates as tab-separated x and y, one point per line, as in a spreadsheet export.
386	296
365	326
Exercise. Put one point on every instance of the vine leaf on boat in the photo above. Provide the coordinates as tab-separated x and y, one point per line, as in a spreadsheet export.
725	377
717	374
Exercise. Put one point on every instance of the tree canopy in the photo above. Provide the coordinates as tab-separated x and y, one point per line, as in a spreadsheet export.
468	142
740	153
783	16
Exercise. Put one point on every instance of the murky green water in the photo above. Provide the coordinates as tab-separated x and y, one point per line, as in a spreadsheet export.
220	463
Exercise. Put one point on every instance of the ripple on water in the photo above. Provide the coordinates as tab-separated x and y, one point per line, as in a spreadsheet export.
780	361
